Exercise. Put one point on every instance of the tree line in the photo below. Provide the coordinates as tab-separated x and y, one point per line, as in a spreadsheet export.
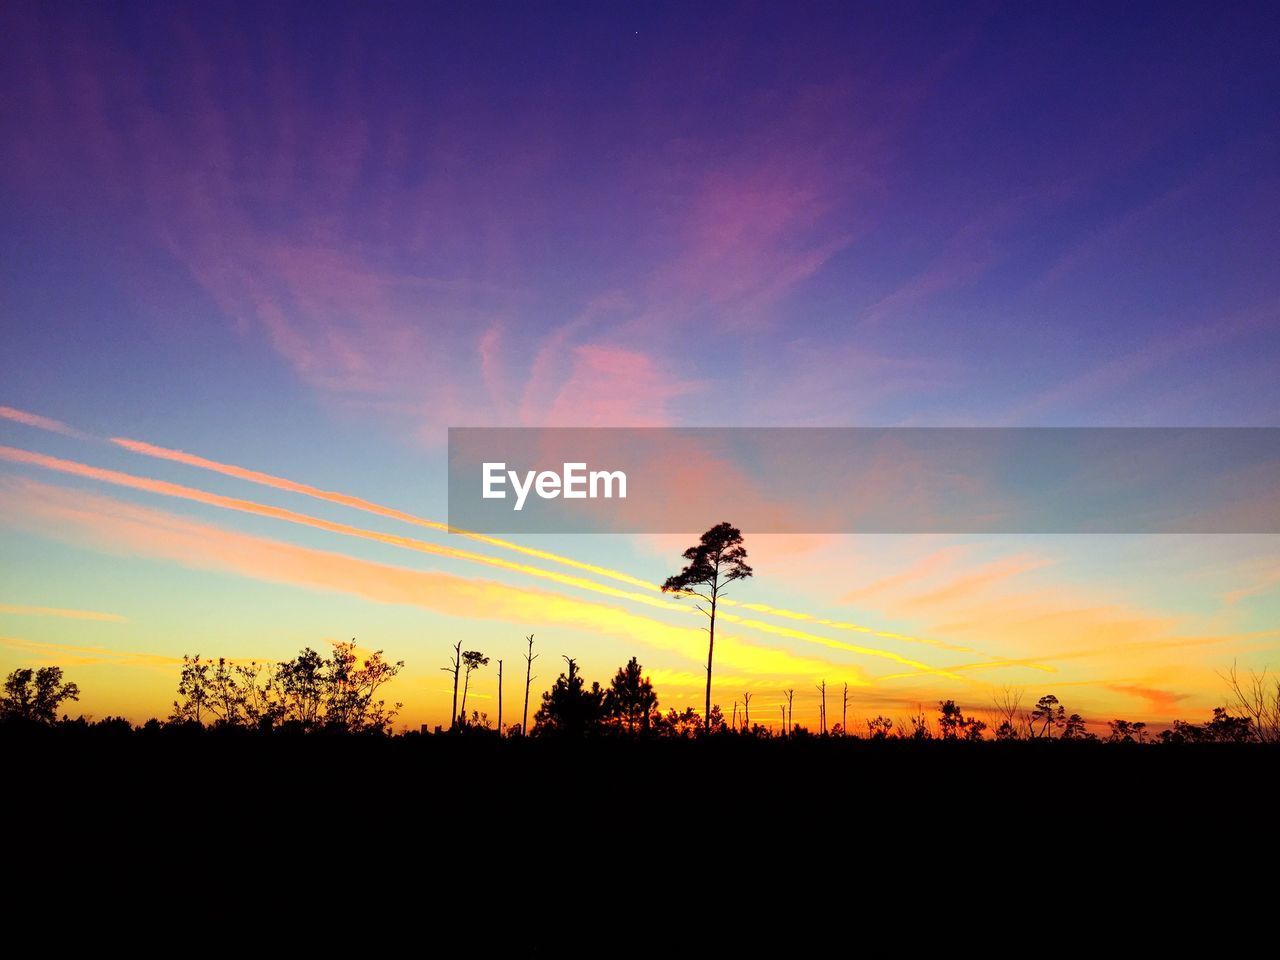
338	694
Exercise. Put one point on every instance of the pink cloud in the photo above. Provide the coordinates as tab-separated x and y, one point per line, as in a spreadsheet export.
614	387
749	237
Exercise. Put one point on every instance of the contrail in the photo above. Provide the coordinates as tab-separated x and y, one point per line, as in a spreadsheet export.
41	423
165	488
358	503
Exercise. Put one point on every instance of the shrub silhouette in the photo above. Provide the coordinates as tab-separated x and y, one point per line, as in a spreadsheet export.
309	692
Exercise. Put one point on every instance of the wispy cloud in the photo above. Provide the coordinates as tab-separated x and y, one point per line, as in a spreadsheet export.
1158	701
79	655
25	611
40	422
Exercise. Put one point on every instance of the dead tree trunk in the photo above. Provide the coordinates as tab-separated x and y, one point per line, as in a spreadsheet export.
499	698
528	679
711	646
746	712
844	712
454	667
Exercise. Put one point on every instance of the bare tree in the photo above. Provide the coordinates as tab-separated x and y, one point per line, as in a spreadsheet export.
1258	700
1007	717
791	696
454	667
715	561
822	712
844	713
746	712
528	679
499	698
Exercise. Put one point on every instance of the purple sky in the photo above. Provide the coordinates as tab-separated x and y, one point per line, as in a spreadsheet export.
989	214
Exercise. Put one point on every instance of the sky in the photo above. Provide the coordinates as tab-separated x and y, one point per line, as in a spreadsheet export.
298	242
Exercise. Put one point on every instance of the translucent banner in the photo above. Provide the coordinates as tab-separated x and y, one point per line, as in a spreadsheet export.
866	480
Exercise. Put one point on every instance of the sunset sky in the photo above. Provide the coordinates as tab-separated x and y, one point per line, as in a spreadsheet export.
255	260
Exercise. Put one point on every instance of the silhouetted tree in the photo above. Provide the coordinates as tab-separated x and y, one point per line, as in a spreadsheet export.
954	725
950	720
916	727
35	696
879	728
499	698
679	723
569	707
528	679
844	712
1049	714
822	711
791	696
472	661
230	693
1257	699
1074	729
1011	722
454	667
718	559
1126	731
308	692
630	699
715	720
193	689
302	688
226	697
350	688
1224	728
